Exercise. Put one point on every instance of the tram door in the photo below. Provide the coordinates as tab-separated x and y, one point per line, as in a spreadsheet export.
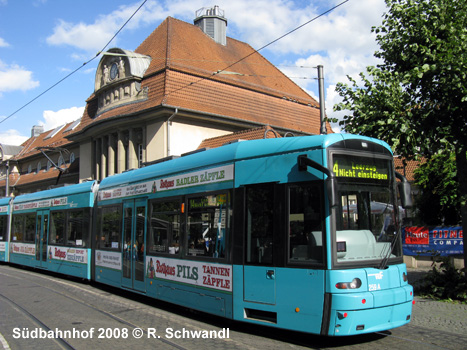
42	232
134	229
259	273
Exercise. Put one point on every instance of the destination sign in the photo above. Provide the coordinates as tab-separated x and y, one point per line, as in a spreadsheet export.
360	167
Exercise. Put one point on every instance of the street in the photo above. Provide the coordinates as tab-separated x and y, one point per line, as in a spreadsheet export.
40	311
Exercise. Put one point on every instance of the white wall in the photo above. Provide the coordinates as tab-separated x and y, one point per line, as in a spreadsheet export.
186	138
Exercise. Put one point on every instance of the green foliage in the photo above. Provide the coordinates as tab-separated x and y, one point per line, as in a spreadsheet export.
439	201
445	282
381	109
416	100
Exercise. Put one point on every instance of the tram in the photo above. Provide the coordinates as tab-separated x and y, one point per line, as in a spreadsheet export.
52	230
4	228
296	233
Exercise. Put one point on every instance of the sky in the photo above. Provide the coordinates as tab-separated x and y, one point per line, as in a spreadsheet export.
43	41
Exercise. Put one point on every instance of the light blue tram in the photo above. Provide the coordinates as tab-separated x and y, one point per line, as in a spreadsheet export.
51	229
4	227
297	233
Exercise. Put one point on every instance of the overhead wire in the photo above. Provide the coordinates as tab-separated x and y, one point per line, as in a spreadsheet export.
183	87
77	69
257	50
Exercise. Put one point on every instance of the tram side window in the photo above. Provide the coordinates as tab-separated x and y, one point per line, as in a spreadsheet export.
164	232
109	227
24	228
207	225
3	227
305	224
18	228
57	228
30	227
78	228
259	224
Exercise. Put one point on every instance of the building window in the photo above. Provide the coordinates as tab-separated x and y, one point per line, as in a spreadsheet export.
49	165
72	158
29	168
140	155
61	161
39	167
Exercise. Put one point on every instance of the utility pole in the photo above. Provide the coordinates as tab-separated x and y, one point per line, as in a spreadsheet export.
322	109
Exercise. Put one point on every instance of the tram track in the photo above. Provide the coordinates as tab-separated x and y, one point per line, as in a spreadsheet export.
133	313
111	315
62	342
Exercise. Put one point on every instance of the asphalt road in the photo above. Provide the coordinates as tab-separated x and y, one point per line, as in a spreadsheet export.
40	311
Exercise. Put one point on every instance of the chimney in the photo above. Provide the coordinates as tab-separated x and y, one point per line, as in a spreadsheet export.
213	23
37	130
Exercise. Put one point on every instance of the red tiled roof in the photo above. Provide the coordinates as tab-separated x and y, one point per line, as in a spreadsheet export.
181	75
265	132
13	178
30	145
17	180
408	169
182	46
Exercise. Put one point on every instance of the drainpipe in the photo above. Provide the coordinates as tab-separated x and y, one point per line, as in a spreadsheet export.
169	123
322	109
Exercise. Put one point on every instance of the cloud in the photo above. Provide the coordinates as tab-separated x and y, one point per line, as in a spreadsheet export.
340	40
53	119
87	37
3	43
93	36
14	77
12	137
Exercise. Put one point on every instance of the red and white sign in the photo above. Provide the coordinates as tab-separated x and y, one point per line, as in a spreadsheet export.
198	273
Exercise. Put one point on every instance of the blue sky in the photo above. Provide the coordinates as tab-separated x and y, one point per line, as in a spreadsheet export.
42	41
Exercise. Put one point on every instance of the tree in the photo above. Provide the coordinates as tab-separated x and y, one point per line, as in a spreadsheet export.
417	98
439	201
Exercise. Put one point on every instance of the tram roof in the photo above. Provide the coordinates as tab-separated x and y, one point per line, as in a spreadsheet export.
228	154
56	192
4	200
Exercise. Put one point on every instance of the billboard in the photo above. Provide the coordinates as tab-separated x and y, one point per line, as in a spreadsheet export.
427	241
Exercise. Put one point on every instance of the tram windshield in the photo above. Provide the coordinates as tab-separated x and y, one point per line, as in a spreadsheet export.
366	216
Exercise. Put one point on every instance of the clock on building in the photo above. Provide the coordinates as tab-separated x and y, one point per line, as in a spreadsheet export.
113	71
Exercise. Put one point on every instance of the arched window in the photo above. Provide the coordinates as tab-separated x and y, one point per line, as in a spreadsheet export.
49	165
61	161
39	167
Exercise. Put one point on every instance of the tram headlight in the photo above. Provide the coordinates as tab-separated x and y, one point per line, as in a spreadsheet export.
404	277
355	284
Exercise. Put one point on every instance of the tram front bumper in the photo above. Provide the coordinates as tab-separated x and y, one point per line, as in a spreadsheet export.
358	313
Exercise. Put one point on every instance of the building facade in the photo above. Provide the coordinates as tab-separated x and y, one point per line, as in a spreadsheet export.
183	84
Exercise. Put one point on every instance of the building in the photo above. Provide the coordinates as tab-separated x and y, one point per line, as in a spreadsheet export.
184	83
45	160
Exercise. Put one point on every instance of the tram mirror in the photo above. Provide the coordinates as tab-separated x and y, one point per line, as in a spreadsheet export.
405	193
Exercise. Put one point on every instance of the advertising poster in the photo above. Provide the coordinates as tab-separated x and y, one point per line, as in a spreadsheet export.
198	273
427	241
